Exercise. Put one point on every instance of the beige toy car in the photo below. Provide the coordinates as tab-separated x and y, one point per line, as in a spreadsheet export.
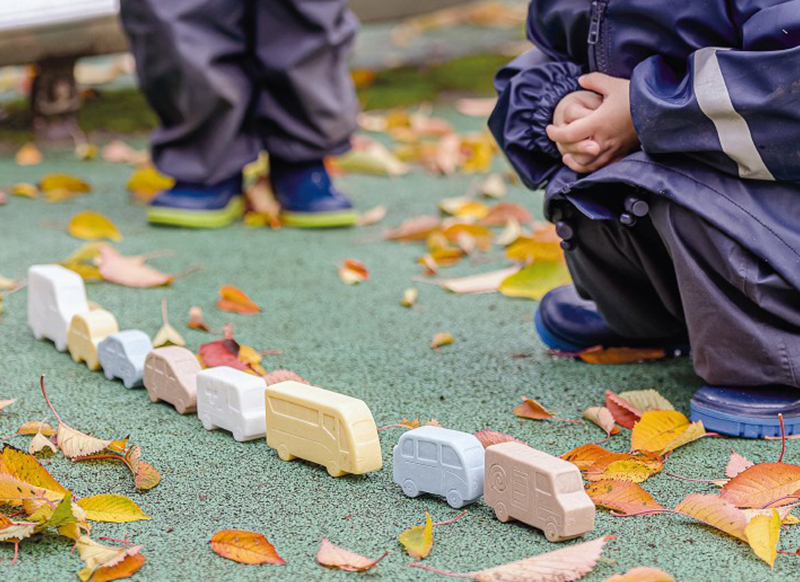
86	331
538	489
170	374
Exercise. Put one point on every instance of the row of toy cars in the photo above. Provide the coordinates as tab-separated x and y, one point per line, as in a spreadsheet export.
318	425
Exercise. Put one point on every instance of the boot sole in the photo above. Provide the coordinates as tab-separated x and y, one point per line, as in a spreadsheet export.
319	219
743	426
196	218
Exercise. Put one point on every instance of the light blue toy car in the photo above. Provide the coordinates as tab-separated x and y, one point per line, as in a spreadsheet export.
436	460
122	356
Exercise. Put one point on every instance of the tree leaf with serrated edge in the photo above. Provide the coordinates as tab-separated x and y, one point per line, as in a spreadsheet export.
716	512
5	403
501	213
111	508
593	458
235	300
644	400
14	531
333	556
534	281
624	413
26	468
61	516
661	431
636	469
762	534
622	496
418	540
129	271
532	409
74	443
760	485
245	547
124	569
417	228
492	437
93	226
96	555
642	574
736	464
619	356
39	443
601	416
35	426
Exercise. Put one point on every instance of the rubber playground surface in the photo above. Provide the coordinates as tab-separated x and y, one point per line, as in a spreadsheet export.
353	339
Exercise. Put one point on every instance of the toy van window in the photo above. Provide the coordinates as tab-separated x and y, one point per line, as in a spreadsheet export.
543	484
296	411
426	451
450	458
344	445
329	424
569	483
408	448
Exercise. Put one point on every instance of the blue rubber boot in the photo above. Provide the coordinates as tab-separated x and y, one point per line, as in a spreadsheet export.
750	413
198	205
568	323
307	196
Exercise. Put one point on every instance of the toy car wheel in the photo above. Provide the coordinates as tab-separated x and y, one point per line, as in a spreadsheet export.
334	470
454	499
501	512
180	406
410	488
153	397
551	532
108	375
284	454
38	334
207	424
237	435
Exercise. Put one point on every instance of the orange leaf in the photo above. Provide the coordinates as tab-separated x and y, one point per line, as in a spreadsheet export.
34	426
442	339
441	258
642	574
332	556
716	512
620	355
624	413
124	569
593	458
353	272
481	234
492	437
245	547
28	155
501	213
532	409
196	320
417	228
762	484
235	300
622	496
661	431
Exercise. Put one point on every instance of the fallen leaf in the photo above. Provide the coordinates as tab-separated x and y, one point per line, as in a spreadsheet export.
58	187
736	464
278	376
463	207
15	531
511	233
601	416
125	569
146	182
442	339
493	186
644	400
145	476
93	226
25	190
762	534
7	284
245	547
332	556
440	258
533	281
39	443
413	229
622	496
353	272
167	335
111	508
418	540
762	484
476	107
196	320
3	197
263	207
593	458
119	152
6	403
96	555
409	297
636	469
624	413
661	431
446	156
493	437
532	409
501	213
474	284
642	574
129	271
477	153
788	520
716	512
617	356
235	300
25	468
372	216
481	235
372	158
35	426
84	261
28	155
85	151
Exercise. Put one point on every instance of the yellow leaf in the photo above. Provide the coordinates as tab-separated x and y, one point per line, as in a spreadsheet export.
36	426
86	151
409	297
442	339
235	300
716	512
58	187
533	281
146	182
74	443
124	569
646	400
478	152
528	249
245	547
28	155
636	469
418	540
93	226
39	443
642	574
661	431
762	534
111	508
25	190
622	496
28	469
618	356
790	520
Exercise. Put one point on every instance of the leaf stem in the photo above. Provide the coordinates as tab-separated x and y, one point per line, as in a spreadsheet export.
690	479
398	425
643	512
783	438
451	520
46	399
780	499
437	571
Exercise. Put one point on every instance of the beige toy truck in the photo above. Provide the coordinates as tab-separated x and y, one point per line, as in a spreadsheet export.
170	374
86	331
537	489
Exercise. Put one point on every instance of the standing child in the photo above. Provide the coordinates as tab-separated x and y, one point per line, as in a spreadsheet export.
230	77
668	136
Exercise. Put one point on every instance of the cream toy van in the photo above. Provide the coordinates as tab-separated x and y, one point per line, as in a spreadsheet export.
86	331
537	489
170	374
323	427
231	399
436	460
55	295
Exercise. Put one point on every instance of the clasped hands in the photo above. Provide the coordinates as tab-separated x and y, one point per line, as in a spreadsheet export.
593	128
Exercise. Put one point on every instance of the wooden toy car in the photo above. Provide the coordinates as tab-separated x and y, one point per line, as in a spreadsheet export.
86	331
122	356
537	489
231	399
323	427
436	460
55	295
170	374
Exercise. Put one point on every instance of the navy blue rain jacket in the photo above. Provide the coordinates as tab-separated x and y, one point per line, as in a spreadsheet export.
715	100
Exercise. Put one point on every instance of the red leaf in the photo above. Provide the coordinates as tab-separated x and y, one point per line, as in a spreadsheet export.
624	414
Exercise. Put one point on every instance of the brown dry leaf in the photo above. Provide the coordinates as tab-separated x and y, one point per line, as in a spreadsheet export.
736	464
35	426
624	413
763	533
332	556
146	182
409	297
235	300
442	339
474	284
642	574
196	320
353	272
145	476
418	540
93	226
39	443
58	187
245	547
622	496
661	431
119	152
129	271
601	416
762	485
532	409
493	437
125	569
616	356
413	229
28	155
644	400
25	190
372	216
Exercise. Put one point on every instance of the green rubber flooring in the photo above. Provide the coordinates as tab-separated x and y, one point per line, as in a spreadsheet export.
357	340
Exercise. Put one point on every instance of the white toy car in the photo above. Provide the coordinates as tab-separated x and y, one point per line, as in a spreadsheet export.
122	356
231	399
55	296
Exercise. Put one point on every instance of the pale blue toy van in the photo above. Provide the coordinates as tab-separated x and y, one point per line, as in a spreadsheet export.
122	356
440	461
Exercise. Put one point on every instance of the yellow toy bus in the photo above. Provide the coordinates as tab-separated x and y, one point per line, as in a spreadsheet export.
86	331
323	427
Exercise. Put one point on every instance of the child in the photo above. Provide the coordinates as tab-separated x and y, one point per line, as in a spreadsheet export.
673	170
230	77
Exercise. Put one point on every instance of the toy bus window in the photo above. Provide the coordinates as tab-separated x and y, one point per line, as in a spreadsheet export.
159	367
296	411
329	424
408	448
450	458
426	451
543	484
568	483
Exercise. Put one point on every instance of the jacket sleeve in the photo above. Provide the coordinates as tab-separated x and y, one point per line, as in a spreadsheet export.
736	109
529	88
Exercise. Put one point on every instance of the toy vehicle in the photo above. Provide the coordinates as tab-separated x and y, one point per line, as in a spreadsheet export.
537	489
323	427
86	331
231	399
170	374
436	460
55	295
122	356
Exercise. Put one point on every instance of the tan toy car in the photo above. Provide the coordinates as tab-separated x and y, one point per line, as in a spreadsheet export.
170	374
86	330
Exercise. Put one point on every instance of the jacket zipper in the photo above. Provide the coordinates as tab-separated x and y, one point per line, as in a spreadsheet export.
596	55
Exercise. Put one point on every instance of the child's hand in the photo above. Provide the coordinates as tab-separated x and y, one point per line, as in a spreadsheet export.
610	125
572	107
